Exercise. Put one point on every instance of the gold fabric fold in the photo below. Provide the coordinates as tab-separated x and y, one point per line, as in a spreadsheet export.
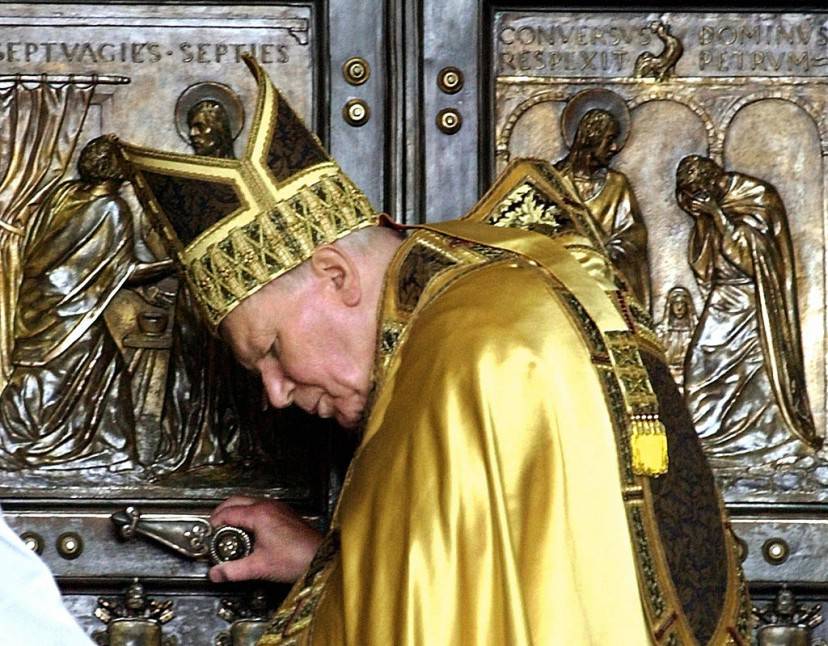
464	519
648	437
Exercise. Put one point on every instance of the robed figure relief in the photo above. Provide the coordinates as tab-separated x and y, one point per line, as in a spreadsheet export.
83	391
202	426
675	330
67	402
744	373
595	124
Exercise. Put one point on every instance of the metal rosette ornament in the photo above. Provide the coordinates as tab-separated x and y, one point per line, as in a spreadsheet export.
229	543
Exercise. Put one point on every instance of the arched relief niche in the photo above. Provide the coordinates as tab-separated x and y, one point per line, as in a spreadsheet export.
537	132
662	132
777	141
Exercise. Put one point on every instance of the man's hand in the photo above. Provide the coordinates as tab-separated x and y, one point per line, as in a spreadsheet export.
699	203
685	202
705	203
284	543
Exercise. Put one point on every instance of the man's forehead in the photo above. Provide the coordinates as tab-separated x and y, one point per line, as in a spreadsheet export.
239	327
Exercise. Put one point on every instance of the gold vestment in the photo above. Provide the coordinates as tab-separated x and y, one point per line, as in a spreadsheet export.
616	214
492	499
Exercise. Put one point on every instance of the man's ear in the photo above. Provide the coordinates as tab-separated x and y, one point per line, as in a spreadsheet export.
338	272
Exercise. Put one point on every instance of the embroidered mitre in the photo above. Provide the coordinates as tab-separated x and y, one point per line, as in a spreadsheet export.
234	225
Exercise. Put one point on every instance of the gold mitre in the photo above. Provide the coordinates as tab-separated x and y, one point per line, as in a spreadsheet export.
236	224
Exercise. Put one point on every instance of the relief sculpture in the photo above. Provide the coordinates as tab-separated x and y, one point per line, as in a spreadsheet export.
67	401
675	330
596	123
109	363
662	65
113	393
732	239
31	166
744	380
200	424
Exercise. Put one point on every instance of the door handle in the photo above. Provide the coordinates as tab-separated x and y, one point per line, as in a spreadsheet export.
186	534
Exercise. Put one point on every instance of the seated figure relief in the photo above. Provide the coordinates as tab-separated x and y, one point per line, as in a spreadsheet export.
113	366
744	373
67	403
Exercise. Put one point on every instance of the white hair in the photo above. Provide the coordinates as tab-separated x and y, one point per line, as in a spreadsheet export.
360	244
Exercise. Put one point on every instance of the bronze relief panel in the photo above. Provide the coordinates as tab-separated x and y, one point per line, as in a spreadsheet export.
112	391
728	249
107	373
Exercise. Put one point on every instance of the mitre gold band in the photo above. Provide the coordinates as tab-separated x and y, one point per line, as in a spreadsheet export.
245	254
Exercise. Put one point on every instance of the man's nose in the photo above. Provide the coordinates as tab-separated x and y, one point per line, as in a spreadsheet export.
279	391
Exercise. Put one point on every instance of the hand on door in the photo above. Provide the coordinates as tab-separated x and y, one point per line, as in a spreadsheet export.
284	543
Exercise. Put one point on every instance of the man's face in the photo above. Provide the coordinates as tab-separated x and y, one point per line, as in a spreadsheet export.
307	349
205	133
703	181
697	188
608	145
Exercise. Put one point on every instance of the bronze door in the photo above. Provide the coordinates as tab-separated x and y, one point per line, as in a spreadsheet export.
112	395
115	399
746	89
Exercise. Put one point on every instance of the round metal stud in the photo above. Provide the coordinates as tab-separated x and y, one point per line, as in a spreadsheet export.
449	120
70	545
229	544
775	551
356	113
33	541
741	548
450	80
356	70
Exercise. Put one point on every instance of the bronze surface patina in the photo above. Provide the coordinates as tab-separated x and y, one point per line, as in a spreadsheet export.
138	405
738	292
112	389
742	90
744	378
596	124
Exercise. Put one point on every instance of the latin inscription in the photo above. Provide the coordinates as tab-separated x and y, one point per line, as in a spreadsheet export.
580	44
139	53
161	49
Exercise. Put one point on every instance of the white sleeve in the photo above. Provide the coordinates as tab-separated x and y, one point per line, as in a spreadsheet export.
31	609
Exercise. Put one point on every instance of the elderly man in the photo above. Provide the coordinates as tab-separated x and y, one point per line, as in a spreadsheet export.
512	483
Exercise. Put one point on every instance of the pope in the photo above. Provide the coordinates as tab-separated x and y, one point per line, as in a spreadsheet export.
526	473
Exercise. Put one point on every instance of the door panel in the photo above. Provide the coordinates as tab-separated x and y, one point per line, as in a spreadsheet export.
421	103
741	88
155	414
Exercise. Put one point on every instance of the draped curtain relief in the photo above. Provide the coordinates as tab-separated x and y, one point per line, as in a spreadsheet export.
39	128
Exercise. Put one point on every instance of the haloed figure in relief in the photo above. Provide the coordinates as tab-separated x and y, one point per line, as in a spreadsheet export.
67	404
744	373
201	427
595	124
